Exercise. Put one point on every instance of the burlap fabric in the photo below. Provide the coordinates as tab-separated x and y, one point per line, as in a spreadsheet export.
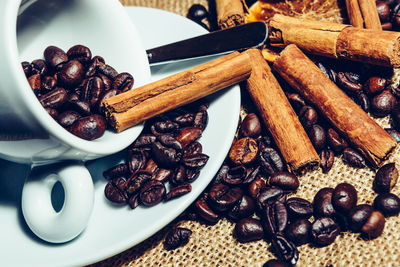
215	246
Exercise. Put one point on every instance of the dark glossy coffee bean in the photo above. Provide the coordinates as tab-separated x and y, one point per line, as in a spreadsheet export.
107	70
269	196
177	237
123	82
150	167
39	66
185	119
308	116
52	112
327	159
270	161
115	191
81	53
89	127
198	160
54	99
383	103
205	212
197	12
192	149
322	203
166	126
374	226
144	140
299	208
136	181
250	126
48	83
188	135
396	16
251	174
201	119
134	201
317	136
247	230
383	10
358	216
264	141
388	204
284	180
324	231
165	156
92	89
91	70
361	99
396	118
222	197
27	68
244	151
274	218
285	249
82	107
276	263
179	176
394	134
375	85
55	56
257	186
35	83
106	95
347	83
67	118
178	191
136	160
162	175
152	192
299	232
353	158
335	141
385	178
243	208
71	73
344	197
296	101
119	170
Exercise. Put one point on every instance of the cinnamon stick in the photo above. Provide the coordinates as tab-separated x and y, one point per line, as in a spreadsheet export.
370	14
346	116
230	13
354	13
279	117
132	107
336	40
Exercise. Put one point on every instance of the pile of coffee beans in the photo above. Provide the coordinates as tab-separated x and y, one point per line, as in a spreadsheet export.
166	151
389	14
72	86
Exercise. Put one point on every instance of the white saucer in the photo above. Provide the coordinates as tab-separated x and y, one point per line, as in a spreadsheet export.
111	229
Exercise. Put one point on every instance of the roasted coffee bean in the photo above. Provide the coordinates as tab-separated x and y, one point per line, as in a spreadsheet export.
179	176
92	89
274	218
257	186
67	118
353	158
27	68
107	70
396	118
308	116
150	166
134	201
135	182
35	83
358	216
244	151
162	175
205	212
178	191
55	56
299	232
221	174
322	203
166	126
270	160
91	70
39	66
192	149
177	237
136	160
152	192
197	12
74	96
385	178
89	127
362	100
250	126
247	230
383	10
344	197
198	160
82	107
81	53
284	180
396	16
388	204
243	208
123	82
375	85
222	197
394	134
234	176
374	226
296	101
324	231
383	103
115	191
48	83
299	208
119	170
165	156
106	95
52	112
201	119
185	119
327	159
144	140
188	135
276	263
335	141
106	81
54	99
317	136
251	174
347	84
269	196
285	249
71	73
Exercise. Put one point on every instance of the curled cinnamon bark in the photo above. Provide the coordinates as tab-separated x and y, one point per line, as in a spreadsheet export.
230	12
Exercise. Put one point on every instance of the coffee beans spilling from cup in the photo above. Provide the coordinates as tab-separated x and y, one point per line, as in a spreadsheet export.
167	150
72	87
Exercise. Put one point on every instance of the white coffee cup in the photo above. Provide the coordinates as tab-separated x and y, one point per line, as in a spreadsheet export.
27	132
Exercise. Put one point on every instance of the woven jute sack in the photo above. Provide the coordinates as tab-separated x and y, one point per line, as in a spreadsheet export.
215	246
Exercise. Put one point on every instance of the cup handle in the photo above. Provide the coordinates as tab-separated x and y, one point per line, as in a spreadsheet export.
37	208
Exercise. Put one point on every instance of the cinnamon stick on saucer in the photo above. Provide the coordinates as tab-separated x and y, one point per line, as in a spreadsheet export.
363	14
230	13
345	115
279	117
132	107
